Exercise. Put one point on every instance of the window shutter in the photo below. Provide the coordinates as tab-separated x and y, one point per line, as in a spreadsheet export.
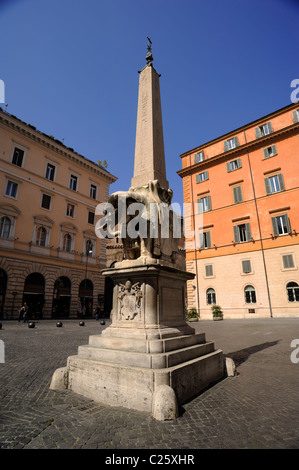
201	241
197	178
237	191
274	226
199	206
281	182
208	239
258	133
288	261
266	153
236	142
228	167
248	232
274	149
209	270
269	127
288	223
239	163
225	145
296	116
268	187
236	234
246	266
206	175
209	205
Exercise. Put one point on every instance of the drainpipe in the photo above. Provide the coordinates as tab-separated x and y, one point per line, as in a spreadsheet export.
260	232
195	243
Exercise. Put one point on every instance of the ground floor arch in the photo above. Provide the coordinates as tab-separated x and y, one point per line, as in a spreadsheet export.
85	301
62	298
3	286
34	294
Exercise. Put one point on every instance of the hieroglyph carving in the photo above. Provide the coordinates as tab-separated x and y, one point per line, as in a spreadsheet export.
129	300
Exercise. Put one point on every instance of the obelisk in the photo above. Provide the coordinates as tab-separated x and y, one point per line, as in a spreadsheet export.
149	163
149	358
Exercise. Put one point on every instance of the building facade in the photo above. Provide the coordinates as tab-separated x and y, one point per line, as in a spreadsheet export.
242	191
50	257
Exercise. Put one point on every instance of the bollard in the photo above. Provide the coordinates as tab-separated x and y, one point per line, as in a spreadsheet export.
59	324
31	325
102	322
81	323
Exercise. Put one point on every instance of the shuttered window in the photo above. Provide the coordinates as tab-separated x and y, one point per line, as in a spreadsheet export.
270	151
209	270
231	144
296	115
199	157
263	130
274	184
202	176
234	165
281	225
204	204
237	192
205	240
246	266
242	233
288	261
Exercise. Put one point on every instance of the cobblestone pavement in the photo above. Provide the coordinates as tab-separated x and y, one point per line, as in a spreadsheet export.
256	409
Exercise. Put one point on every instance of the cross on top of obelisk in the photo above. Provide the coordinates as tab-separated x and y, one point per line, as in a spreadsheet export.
149	163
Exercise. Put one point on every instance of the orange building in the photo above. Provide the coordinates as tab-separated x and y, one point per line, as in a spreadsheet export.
243	198
50	256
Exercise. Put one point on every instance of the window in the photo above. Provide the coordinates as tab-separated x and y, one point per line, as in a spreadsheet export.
199	157
288	261
246	266
237	192
50	172
46	201
5	227
296	115
204	240
73	182
231	144
93	191
67	242
234	165
250	296
209	270
263	130
202	177
270	151
18	155
204	204
293	292
89	248
242	233
70	210
41	236
11	189
91	217
211	296
274	184
281	225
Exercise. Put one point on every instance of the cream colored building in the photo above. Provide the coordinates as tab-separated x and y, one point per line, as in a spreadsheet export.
50	257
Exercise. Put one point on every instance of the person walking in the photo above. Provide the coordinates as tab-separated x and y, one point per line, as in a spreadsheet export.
23	313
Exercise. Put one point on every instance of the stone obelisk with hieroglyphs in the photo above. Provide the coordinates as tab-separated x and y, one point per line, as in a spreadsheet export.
149	163
149	358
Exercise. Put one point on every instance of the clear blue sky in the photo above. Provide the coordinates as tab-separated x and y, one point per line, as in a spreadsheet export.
70	68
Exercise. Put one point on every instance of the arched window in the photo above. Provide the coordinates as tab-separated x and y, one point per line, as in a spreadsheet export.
250	297
211	296
67	242
5	227
293	292
41	236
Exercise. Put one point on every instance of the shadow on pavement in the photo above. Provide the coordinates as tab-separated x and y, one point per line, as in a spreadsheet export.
243	354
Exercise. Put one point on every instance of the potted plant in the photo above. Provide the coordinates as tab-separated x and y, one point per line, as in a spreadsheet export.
192	314
217	312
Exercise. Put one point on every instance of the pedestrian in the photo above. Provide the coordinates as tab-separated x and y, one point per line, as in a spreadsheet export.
23	312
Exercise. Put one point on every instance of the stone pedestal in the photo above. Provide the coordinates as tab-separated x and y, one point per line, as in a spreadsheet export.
149	359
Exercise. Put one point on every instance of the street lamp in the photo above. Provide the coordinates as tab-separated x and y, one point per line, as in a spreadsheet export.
89	249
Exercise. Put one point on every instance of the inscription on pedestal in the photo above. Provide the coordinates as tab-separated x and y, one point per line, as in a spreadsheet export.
172	303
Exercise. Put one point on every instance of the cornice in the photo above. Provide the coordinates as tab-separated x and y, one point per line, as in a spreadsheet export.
31	133
245	148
